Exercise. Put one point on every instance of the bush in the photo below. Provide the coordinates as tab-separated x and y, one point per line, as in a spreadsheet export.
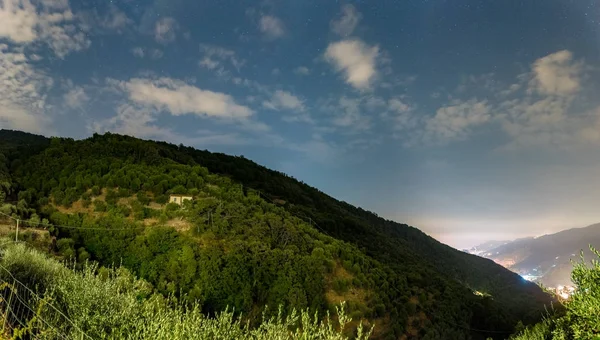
162	199
123	192
66	247
143	198
99	206
113	304
96	191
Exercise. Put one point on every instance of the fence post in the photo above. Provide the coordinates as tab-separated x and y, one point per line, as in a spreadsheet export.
17	233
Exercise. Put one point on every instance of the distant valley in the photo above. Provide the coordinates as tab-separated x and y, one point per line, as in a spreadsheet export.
545	259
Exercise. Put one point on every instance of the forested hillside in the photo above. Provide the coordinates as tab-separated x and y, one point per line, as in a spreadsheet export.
252	237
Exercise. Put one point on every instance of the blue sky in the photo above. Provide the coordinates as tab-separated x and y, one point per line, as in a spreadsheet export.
472	120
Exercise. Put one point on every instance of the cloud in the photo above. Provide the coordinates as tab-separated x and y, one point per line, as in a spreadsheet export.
271	26
164	30
115	19
355	59
455	122
50	22
346	21
397	105
349	114
283	100
137	120
22	93
544	116
138	52
179	98
302	70
374	103
76	98
18	21
556	74
209	63
215	55
156	54
146	99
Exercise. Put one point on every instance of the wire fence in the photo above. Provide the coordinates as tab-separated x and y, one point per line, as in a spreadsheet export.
26	315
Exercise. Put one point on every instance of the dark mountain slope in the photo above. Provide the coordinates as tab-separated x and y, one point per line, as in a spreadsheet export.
388	241
440	279
548	256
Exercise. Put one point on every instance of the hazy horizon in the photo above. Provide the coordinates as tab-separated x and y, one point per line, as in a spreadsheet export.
469	121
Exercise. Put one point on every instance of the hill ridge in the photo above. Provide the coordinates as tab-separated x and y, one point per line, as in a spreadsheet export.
63	171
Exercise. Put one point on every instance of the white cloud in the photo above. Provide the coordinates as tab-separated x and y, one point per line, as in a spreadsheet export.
275	72
215	55
283	100
355	59
76	97
22	93
136	120
51	23
346	22
556	74
179	98
349	114
152	53
138	52
400	114
164	30
302	70
271	26
456	121
397	105
115	19
209	63
18	21
545	115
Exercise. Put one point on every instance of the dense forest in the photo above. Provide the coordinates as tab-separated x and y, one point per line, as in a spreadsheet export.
251	239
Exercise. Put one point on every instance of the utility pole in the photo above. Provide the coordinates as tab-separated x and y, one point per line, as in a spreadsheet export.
17	233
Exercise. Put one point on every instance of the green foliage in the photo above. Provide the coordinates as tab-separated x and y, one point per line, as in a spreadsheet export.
101	303
247	252
96	190
143	198
66	247
581	320
99	206
162	199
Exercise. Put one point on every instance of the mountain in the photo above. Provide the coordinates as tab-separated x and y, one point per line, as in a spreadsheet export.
484	248
547	258
253	237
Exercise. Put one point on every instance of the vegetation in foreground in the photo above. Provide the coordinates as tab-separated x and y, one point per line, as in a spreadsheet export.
582	317
101	303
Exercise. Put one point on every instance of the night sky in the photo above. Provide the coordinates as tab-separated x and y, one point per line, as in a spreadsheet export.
471	120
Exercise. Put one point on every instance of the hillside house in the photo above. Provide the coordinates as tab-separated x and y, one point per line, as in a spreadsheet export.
179	199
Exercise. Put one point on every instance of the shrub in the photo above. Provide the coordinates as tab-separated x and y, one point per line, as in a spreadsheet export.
99	206
113	304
